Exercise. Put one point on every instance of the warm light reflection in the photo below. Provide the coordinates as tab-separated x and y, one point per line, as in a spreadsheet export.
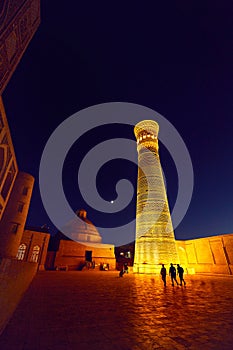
155	241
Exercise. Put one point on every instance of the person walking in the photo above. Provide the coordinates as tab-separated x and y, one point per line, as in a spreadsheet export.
180	271
163	273
122	271
126	268
172	273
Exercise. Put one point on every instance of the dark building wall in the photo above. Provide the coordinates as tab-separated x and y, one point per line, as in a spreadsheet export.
8	163
125	255
19	20
14	217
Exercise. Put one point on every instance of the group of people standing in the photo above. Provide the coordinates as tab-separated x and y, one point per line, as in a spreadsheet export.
172	274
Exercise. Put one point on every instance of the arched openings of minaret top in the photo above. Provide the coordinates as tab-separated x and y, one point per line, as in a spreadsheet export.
144	135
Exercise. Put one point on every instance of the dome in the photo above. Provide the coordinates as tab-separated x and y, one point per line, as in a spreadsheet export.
82	230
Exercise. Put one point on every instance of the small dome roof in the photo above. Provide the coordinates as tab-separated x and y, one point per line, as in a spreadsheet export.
82	230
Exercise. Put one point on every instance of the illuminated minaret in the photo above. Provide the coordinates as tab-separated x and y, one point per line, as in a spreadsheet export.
155	241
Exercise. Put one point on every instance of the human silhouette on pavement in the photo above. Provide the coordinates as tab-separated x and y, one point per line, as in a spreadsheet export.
163	273
180	272
172	273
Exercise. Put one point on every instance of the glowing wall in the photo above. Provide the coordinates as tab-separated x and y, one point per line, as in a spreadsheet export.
155	241
213	255
72	254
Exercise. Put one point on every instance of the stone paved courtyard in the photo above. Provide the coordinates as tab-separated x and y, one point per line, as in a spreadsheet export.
99	310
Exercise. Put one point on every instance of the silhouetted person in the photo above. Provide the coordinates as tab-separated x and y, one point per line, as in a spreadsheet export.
180	271
172	273
122	272
163	273
126	268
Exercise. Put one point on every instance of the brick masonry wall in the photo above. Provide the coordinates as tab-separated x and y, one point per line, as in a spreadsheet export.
34	238
72	254
207	255
15	277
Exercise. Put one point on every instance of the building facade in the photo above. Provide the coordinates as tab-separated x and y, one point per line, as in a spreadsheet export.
19	20
83	249
211	255
34	246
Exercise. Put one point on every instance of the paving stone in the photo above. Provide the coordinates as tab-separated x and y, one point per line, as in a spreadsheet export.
99	310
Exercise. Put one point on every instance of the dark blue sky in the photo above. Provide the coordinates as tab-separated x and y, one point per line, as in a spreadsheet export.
175	58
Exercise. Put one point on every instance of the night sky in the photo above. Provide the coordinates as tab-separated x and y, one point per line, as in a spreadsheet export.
174	57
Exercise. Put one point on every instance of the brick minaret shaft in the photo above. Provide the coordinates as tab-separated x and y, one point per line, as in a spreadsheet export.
155	241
